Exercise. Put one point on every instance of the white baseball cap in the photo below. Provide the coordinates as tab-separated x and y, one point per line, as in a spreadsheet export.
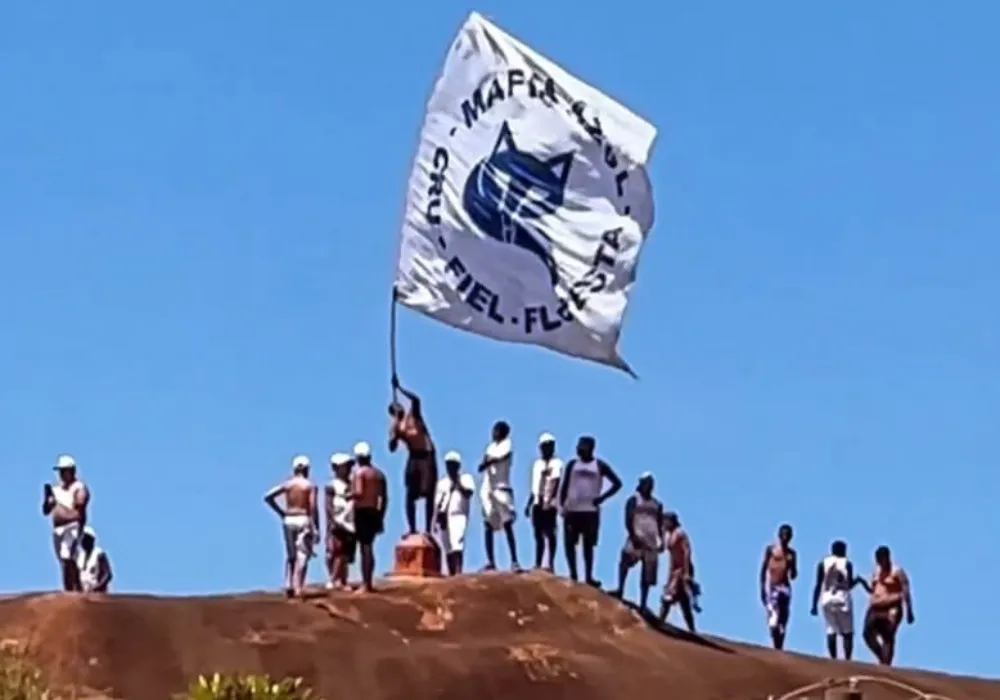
300	461
339	459
453	456
65	462
362	450
646	476
546	438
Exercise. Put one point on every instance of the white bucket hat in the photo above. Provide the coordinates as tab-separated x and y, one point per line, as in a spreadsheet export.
339	459
362	450
65	462
453	456
300	461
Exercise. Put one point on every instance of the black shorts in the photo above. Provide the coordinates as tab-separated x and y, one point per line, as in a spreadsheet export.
581	526
367	524
543	519
884	623
421	475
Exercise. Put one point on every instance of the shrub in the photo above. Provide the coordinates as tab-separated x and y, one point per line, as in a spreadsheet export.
19	678
248	687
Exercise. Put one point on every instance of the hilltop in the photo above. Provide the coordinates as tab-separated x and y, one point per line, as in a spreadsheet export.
487	637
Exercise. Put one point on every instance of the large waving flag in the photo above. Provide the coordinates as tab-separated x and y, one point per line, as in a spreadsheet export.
528	203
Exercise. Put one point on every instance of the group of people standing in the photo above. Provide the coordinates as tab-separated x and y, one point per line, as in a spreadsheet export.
356	499
890	600
84	566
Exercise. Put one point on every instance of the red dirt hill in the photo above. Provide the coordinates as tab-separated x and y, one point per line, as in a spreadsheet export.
483	637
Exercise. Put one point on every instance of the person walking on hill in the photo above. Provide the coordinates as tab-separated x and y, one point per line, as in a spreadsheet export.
497	495
580	499
644	528
94	564
777	571
66	502
299	520
341	543
421	474
890	602
541	508
681	587
371	498
454	492
834	580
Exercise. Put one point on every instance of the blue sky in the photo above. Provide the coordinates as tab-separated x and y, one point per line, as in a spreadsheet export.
198	208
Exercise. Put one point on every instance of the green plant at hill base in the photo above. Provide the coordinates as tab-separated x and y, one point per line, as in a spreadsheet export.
246	687
19	678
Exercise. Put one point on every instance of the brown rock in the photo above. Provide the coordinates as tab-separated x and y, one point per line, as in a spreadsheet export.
417	555
420	639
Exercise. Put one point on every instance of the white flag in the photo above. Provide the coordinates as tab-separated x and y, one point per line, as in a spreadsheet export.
528	202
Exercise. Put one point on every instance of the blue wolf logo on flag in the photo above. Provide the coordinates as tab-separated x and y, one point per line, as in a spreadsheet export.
509	190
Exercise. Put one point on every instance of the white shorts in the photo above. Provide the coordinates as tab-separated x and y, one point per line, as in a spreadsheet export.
498	508
299	536
66	540
839	619
453	537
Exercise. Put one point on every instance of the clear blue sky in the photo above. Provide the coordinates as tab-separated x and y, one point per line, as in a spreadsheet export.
198	208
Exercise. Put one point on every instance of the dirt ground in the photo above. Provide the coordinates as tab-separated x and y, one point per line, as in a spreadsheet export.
484	637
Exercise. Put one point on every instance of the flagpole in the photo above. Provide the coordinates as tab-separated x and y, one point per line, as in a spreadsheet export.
392	338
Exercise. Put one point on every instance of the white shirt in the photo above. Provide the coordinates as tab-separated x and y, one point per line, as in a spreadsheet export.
89	569
497	475
836	587
65	495
585	481
451	501
545	482
343	507
646	521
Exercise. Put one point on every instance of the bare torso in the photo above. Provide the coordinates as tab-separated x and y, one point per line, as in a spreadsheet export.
413	432
300	496
779	564
679	548
887	591
368	483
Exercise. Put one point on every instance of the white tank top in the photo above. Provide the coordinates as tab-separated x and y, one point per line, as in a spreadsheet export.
89	570
545	482
836	586
583	487
497	475
646	522
65	495
343	508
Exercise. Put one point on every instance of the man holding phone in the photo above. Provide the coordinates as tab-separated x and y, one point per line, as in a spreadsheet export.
67	503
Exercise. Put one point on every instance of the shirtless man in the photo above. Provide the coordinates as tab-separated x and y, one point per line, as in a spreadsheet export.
890	601
777	571
680	587
421	474
371	497
67	503
299	520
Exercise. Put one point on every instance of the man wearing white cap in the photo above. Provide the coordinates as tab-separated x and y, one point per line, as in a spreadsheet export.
542	508
496	495
340	540
454	491
300	522
644	539
371	498
67	503
93	563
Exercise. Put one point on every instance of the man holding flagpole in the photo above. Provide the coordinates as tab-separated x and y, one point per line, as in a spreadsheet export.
421	475
528	203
